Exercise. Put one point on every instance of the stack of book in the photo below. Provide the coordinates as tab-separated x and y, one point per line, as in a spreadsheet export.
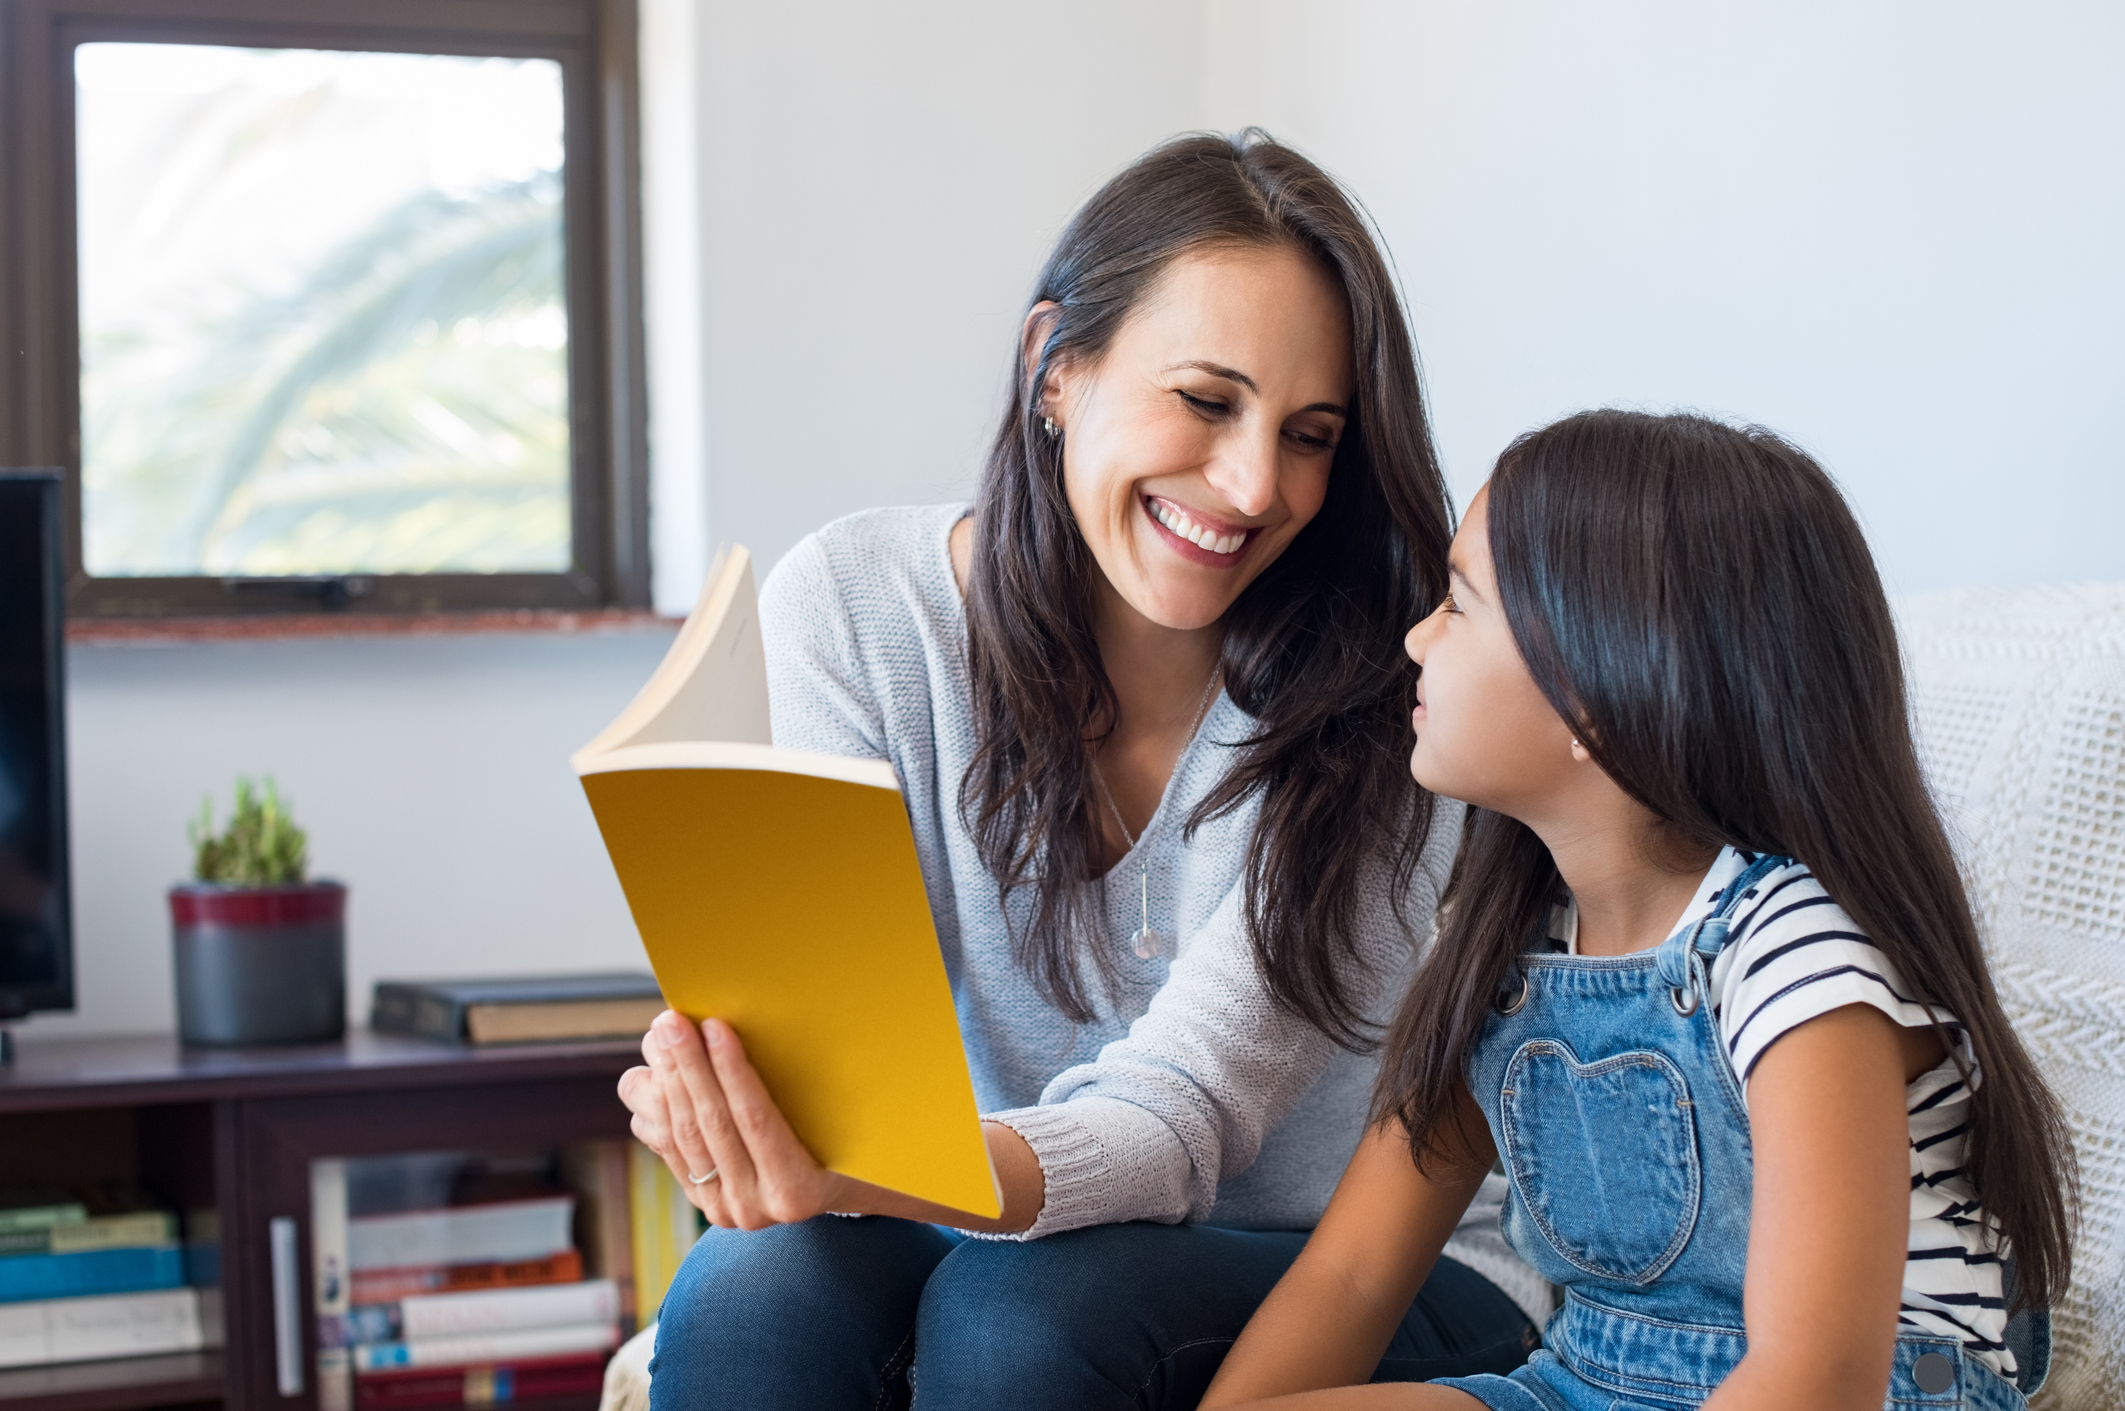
485	1347
76	1288
464	1305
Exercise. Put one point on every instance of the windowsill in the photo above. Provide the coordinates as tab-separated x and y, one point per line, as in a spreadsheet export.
311	626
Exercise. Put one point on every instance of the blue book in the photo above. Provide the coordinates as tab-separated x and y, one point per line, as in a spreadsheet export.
28	1276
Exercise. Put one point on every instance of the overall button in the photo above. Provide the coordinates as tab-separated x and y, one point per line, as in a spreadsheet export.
1933	1372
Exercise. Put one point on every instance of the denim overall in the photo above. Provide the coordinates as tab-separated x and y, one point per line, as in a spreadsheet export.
1620	1123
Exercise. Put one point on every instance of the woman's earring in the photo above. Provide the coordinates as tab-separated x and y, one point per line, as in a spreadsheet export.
1048	424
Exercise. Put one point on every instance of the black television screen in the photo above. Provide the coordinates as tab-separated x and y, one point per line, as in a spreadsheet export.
36	953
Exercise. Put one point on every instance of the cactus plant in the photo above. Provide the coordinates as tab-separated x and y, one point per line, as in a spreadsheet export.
261	847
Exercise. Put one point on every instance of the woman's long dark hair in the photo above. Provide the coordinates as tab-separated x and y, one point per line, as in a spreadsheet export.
1699	605
1311	648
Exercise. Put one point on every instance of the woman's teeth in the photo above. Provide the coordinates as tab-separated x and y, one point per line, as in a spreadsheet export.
1196	534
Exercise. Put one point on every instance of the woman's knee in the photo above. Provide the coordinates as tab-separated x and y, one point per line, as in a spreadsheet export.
795	1289
1117	1315
1010	1315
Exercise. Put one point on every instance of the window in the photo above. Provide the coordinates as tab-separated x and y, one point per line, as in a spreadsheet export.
327	306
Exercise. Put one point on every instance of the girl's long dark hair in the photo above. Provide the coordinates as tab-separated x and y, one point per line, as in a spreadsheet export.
1699	605
1311	648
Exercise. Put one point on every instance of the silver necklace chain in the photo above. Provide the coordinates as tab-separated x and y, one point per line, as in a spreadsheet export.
1148	942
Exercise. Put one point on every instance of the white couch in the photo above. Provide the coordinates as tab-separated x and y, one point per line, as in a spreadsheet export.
2020	703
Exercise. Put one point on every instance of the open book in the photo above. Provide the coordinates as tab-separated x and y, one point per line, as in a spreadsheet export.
779	891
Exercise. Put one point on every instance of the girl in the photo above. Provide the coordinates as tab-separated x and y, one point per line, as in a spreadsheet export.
1774	1151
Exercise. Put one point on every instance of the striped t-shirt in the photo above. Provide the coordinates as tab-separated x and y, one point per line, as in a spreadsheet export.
1792	955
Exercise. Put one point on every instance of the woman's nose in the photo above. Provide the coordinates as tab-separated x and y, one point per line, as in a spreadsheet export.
1245	473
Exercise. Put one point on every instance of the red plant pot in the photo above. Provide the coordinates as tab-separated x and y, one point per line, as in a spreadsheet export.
260	965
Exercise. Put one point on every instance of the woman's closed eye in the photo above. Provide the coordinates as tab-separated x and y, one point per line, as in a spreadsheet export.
1216	409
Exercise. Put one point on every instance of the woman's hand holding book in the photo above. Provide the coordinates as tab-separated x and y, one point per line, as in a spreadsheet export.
700	1105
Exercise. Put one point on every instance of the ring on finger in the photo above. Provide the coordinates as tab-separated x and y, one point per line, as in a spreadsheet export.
702	1179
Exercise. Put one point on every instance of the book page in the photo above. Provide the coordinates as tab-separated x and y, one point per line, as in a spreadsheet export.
712	684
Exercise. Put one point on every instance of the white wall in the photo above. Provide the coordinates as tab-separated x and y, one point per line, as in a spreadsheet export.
1890	230
879	184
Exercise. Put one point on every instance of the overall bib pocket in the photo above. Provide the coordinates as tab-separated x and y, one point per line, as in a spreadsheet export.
1603	1156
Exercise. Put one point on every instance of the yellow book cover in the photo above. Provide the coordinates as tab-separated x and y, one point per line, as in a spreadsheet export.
779	891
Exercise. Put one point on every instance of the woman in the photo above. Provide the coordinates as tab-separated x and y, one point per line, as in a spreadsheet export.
1146	705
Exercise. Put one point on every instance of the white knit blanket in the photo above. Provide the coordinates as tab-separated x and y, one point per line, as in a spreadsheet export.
2020	702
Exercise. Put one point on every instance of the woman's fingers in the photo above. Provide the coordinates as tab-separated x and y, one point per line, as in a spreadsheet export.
702	1129
642	1097
789	1183
705	1195
644	1093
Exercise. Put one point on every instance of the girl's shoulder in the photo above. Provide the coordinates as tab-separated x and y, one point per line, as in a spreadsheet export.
1793	954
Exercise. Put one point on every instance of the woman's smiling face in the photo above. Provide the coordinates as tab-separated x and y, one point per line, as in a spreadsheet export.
1198	447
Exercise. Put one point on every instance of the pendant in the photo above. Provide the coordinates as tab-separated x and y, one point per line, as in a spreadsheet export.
1147	943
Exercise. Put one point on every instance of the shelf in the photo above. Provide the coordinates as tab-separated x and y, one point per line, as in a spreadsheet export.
76	1073
236	1132
283	627
121	1384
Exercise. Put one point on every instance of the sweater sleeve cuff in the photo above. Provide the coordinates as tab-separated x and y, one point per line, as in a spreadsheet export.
1101	1160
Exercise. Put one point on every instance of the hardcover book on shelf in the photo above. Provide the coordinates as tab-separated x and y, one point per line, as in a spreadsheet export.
545	1009
19	1218
597	1172
426	1317
513	1346
391	1285
501	1232
25	1277
780	890
665	1226
83	1233
87	1329
486	1385
330	1283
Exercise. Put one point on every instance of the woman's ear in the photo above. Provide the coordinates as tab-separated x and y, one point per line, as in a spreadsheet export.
1039	320
1580	753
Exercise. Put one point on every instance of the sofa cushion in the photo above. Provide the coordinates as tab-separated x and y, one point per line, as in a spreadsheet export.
2019	698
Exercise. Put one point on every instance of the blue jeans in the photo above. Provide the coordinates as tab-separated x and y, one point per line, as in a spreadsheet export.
838	1313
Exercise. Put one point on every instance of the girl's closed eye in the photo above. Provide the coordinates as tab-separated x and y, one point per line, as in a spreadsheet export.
1203	406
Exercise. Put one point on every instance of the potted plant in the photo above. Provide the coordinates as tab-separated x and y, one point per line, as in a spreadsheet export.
261	953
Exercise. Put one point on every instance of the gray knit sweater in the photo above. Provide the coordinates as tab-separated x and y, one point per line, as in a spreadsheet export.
1195	1096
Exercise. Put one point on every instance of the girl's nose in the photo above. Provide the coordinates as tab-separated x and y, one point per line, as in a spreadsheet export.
1418	639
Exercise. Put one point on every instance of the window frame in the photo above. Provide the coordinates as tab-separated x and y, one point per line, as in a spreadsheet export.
40	393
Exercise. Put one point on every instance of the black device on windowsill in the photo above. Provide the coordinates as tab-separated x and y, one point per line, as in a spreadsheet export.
36	935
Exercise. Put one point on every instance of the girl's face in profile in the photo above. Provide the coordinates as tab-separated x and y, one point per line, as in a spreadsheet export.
1198	447
1485	732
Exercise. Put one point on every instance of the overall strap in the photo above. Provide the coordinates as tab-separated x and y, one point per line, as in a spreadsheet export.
1709	936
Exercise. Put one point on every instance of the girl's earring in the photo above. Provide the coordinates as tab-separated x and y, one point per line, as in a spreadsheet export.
1048	424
